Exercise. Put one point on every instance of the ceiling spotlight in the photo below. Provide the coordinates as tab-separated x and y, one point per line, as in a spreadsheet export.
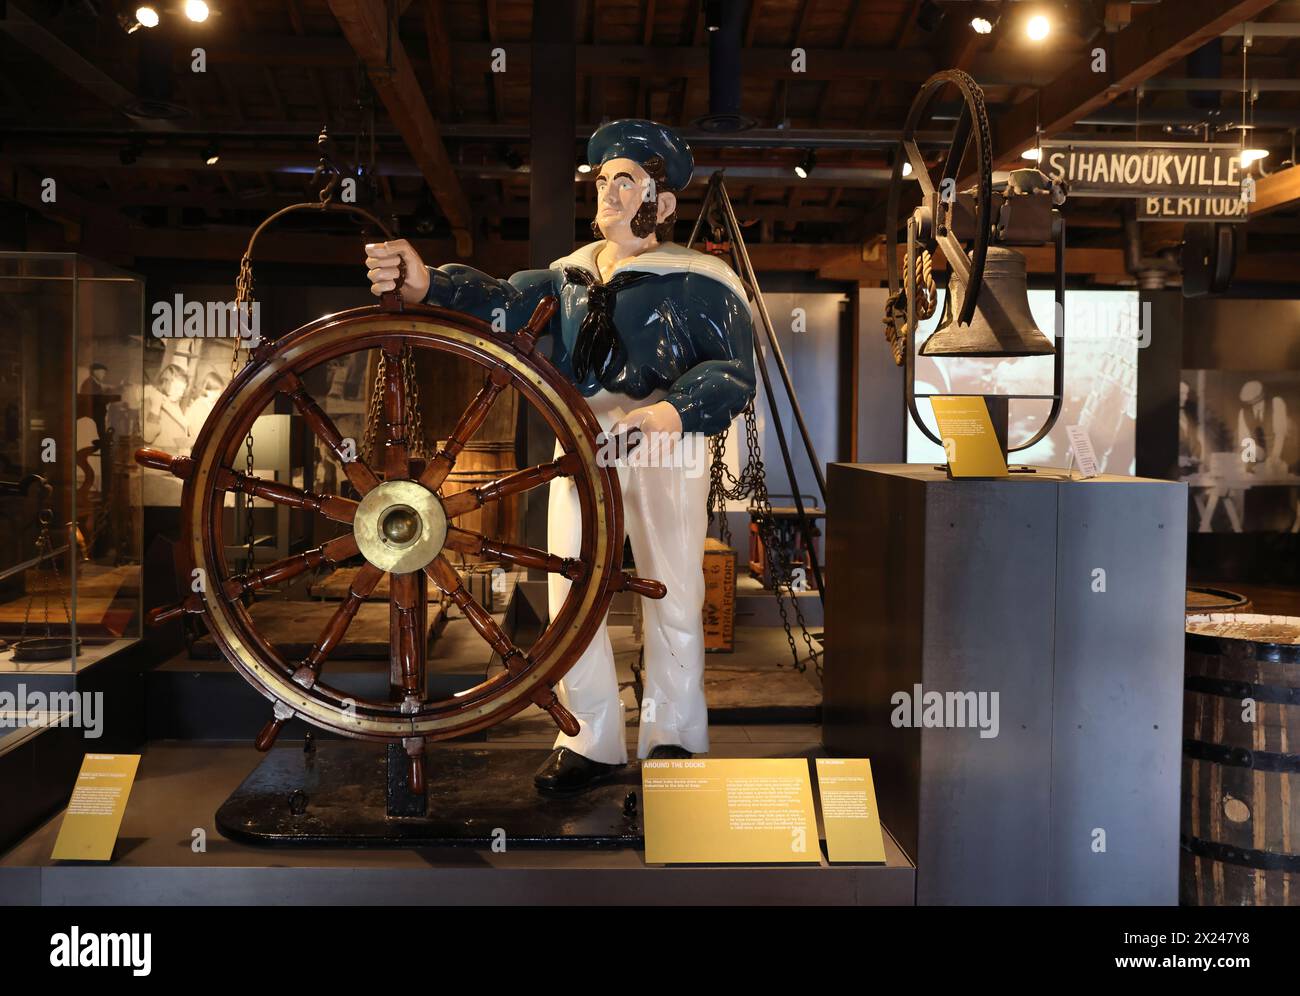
196	10
146	16
1249	156
981	25
211	154
584	167
907	169
1033	155
805	167
1038	27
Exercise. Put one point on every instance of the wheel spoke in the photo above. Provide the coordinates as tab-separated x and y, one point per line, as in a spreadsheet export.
362	585
396	462
339	548
445	459
920	171
445	577
479	545
408	648
361	476
331	506
511	484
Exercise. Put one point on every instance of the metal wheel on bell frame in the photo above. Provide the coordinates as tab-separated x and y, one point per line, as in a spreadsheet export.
931	227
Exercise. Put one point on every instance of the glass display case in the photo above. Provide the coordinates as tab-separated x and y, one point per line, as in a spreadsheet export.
71	394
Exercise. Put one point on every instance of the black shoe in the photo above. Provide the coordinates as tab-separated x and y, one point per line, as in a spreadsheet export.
669	752
566	772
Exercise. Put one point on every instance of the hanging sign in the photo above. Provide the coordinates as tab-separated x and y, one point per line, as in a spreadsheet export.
1144	169
1232	209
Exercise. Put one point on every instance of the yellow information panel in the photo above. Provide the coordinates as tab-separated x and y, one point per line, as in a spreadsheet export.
95	810
849	814
969	443
729	810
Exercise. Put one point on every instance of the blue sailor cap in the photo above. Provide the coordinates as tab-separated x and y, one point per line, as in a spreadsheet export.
639	140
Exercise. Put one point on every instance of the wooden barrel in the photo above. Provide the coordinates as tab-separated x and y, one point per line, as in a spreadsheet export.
1203	599
479	463
1241	761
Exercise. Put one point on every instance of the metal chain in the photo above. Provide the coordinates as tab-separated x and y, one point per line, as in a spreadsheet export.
416	442
752	483
244	300
370	437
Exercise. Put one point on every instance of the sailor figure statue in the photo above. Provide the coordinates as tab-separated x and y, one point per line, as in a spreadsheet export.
656	337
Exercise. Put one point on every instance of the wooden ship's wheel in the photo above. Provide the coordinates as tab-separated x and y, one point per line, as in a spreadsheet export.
402	525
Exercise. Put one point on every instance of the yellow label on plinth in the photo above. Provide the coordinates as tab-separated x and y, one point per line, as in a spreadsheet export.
94	813
729	810
969	442
849	814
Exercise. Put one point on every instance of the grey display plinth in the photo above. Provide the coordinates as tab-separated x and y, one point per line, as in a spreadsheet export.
1065	598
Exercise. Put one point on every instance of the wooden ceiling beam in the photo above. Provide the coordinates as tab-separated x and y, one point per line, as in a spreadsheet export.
439	46
85	223
1278	191
363	25
62	57
1156	39
494	85
850	30
492	207
631	61
830	261
302	159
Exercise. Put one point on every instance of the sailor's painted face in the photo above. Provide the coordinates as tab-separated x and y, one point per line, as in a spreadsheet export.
622	187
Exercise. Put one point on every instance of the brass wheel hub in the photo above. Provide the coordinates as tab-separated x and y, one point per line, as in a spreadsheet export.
400	526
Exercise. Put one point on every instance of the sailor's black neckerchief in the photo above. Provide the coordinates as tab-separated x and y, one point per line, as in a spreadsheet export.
598	345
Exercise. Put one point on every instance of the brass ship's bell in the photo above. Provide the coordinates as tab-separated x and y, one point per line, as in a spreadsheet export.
1002	324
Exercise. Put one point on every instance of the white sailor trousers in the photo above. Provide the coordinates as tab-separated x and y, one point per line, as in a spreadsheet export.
665	516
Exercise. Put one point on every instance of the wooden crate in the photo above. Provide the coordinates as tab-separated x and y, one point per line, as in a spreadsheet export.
719	597
478	580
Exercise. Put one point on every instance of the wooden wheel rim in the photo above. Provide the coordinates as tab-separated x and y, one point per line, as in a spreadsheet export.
561	405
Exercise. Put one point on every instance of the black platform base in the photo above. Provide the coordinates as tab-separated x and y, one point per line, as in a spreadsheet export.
335	796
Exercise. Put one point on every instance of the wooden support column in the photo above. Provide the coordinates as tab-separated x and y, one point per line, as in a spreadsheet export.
551	214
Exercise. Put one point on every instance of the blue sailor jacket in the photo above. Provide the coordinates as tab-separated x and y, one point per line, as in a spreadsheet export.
685	325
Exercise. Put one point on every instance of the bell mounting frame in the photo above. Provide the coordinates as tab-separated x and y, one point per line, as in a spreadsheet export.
931	227
412	529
